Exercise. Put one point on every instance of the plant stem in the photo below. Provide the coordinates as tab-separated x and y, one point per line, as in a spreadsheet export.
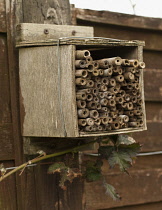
35	160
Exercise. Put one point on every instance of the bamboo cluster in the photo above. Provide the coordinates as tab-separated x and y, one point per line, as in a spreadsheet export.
108	94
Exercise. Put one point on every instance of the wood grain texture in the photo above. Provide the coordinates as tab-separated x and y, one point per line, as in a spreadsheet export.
29	188
142	187
126	33
51	11
141	163
6	139
73	197
154	111
5	109
2	16
148	206
44	33
150	139
8	198
119	19
152	58
153	84
14	92
46	189
68	92
45	111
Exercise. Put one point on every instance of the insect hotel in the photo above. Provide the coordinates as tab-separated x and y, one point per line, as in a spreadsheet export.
79	86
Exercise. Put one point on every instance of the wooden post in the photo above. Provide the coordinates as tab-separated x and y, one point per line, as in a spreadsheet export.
35	189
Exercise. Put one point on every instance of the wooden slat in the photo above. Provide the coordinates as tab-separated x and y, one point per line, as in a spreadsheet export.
148	206
8	198
14	92
2	16
154	111
6	142
152	58
119	19
72	198
126	33
151	139
142	187
29	189
153	84
5	109
141	163
43	114
42	33
46	189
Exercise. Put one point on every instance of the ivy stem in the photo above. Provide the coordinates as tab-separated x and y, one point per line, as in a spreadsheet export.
35	160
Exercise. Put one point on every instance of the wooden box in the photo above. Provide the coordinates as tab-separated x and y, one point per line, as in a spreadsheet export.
47	77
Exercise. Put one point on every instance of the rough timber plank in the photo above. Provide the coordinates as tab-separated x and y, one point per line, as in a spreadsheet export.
5	112
6	142
154	112
72	198
40	90
2	16
51	11
42	33
11	6
119	19
68	93
141	163
46	189
153	84
147	206
8	198
152	58
140	188
150	139
30	201
126	33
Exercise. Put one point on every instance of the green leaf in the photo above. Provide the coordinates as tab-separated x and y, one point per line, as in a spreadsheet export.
93	170
110	190
132	149
106	151
125	139
120	158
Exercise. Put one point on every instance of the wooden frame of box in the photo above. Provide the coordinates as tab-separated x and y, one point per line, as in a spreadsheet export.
47	79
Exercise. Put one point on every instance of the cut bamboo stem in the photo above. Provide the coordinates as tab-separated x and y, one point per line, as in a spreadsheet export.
80	64
81	95
81	104
134	63
81	73
103	63
94	114
80	81
141	65
115	61
90	121
83	113
82	54
82	122
107	72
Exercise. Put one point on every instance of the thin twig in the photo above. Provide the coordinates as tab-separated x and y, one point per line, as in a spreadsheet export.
35	160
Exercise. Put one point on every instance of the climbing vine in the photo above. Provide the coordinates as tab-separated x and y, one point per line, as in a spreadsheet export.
120	150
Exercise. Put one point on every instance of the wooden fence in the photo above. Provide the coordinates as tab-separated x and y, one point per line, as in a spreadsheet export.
143	189
35	189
